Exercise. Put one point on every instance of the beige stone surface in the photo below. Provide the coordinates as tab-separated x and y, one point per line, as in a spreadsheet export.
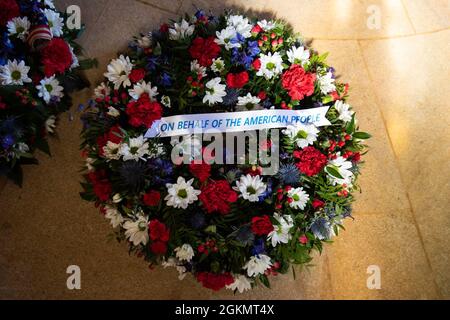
399	87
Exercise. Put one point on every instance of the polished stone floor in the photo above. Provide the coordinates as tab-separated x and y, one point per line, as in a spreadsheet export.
399	75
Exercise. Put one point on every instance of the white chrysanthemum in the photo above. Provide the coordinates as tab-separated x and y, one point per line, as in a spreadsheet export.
184	253
298	55
14	73
118	72
111	151
224	37
345	114
249	101
137	231
281	232
218	65
113	112
251	187
240	24
301	134
299	198
135	149
326	83
257	265
342	166
19	27
215	91
173	262
113	215
50	124
181	31
241	283
49	89
197	68
141	88
181	194
75	62
55	22
266	25
102	91
271	65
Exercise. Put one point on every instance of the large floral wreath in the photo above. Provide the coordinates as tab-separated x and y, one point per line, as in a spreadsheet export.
229	225
38	68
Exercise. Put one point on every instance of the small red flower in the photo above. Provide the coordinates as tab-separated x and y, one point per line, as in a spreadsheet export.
202	171
318	203
310	161
262	95
151	198
158	231
237	80
137	75
114	135
101	185
256	64
215	281
256	29
2	104
216	196
56	57
158	247
303	239
10	9
164	28
298	83
261	225
143	112
204	50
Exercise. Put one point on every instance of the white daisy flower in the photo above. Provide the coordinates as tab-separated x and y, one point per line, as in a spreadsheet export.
299	198
281	232
19	27
14	73
181	31
326	82
298	55
113	112
218	65
345	114
137	231
111	151
55	22
249	101
241	283
271	65
224	37
102	91
302	135
181	194
143	87
118	72
251	187
135	149
257	265
342	166
266	25
198	69
50	124
184	253
215	91
240	24
49	89
113	215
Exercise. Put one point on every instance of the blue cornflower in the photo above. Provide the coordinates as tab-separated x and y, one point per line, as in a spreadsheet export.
161	171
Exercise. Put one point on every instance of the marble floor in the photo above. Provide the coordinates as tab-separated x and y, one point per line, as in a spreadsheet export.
394	53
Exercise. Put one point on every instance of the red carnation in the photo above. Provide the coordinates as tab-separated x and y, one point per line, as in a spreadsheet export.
237	80
101	185
158	231
256	64
204	50
216	196
215	281
261	225
298	83
56	57
114	135
311	161
158	247
201	171
143	112
318	203
151	198
256	28
10	9
137	75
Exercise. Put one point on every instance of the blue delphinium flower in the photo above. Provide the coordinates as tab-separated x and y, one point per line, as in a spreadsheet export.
258	247
165	80
289	174
7	141
200	14
152	62
267	104
238	39
6	48
253	49
266	194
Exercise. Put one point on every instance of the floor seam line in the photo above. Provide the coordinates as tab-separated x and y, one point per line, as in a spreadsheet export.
407	15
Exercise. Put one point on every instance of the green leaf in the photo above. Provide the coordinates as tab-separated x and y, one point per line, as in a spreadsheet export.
333	172
362	135
351	125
